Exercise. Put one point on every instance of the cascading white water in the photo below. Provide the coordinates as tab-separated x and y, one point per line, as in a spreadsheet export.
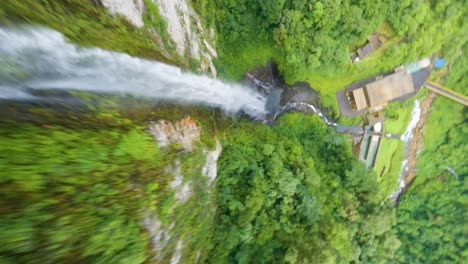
39	58
407	137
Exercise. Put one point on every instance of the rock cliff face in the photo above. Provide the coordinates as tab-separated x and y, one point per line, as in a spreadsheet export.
210	169
188	188
186	30
184	26
185	133
131	9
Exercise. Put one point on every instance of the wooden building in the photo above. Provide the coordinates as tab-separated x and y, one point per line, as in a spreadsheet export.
374	42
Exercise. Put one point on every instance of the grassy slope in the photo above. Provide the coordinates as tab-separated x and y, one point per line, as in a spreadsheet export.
235	62
328	83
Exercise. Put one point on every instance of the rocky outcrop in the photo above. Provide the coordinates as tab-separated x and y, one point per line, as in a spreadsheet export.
210	169
182	189
130	9
186	30
177	253
159	234
185	133
184	26
183	186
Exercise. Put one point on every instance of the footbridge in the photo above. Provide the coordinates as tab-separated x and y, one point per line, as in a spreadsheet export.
439	89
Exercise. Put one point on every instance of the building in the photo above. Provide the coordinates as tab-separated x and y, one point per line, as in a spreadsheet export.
369	146
375	95
372	94
417	65
374	42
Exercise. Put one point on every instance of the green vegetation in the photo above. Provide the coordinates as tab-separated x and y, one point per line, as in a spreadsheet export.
235	64
153	19
312	40
317	50
87	23
432	220
388	164
65	194
296	194
206	9
83	193
432	214
79	186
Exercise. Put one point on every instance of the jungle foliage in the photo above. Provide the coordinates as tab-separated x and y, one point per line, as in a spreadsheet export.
432	214
82	185
66	195
319	36
295	193
291	193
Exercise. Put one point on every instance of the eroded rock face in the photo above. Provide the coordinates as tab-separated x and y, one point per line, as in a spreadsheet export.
183	25
182	189
131	9
268	78
283	97
177	253
160	235
210	169
185	132
185	29
167	240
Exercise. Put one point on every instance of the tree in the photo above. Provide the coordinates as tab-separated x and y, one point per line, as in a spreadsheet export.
271	10
295	193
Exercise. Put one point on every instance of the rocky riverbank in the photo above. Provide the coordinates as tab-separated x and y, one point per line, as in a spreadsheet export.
268	81
416	143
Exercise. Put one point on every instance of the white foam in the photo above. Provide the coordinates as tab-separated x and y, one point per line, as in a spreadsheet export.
50	62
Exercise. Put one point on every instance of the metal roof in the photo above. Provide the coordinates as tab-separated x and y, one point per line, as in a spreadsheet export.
366	50
360	99
389	88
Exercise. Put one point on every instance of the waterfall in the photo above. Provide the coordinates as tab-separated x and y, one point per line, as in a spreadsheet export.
33	58
415	116
407	138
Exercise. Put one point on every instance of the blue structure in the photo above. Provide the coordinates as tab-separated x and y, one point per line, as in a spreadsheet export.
439	63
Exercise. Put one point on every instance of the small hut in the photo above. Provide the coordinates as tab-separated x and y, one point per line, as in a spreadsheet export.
374	42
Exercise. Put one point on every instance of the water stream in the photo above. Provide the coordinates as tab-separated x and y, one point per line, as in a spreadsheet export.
36	59
407	137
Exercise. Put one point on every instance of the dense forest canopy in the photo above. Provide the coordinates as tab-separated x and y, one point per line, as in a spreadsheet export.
295	193
320	35
65	194
432	214
290	193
